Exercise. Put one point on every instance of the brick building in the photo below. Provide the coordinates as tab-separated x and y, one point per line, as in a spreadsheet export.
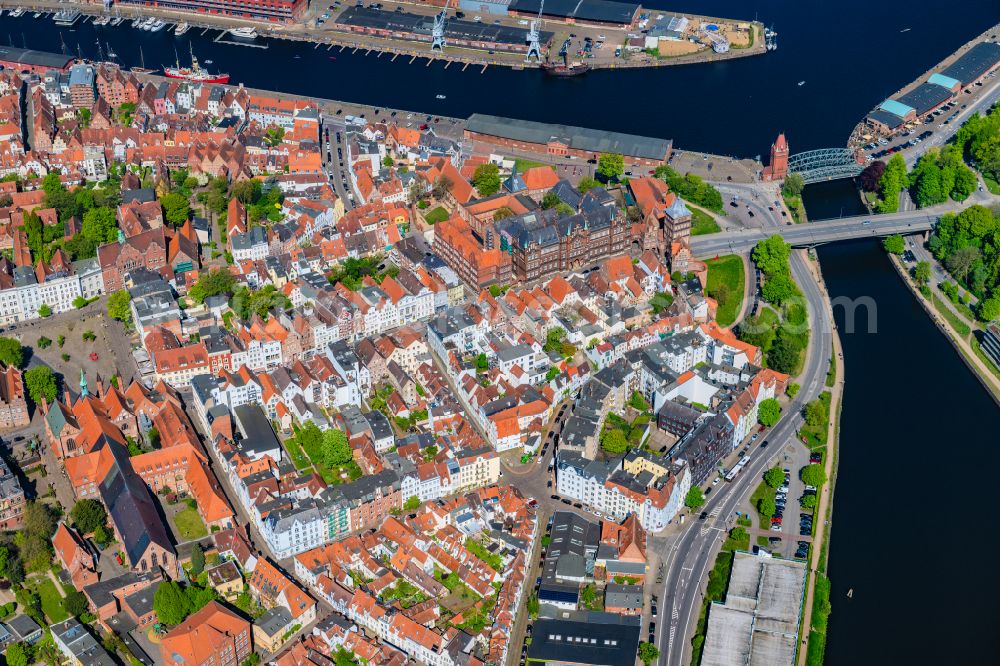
214	635
13	406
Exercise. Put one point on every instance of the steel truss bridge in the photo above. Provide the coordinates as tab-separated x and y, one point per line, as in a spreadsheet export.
825	164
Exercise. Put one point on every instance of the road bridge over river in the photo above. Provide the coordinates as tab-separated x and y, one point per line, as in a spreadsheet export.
817	233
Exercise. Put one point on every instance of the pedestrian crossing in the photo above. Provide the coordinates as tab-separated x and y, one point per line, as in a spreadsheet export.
674	614
673	630
713	514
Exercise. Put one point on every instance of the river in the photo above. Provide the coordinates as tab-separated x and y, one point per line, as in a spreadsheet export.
906	530
850	53
905	537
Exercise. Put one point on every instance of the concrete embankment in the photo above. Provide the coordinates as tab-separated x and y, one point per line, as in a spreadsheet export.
330	36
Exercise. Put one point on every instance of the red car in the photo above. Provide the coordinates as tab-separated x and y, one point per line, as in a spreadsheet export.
93	356
775	521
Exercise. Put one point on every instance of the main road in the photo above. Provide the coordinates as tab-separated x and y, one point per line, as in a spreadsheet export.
817	233
690	557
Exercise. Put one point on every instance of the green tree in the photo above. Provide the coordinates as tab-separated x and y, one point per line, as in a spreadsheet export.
783	355
502	213
695	498
586	184
808	502
550	200
794	184
482	363
336	449
274	135
176	208
771	255
17	655
486	178
614	441
87	515
213	283
611	166
774	477
813	475
75	603
792	389
44	310
40	383
170	602
892	183
816	413
119	307
989	309
922	272
11	352
894	244
99	226
766	506
412	504
769	412
197	559
779	288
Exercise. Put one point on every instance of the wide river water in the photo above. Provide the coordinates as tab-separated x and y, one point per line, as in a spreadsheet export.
901	545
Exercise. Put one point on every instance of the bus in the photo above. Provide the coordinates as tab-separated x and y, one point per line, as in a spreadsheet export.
737	468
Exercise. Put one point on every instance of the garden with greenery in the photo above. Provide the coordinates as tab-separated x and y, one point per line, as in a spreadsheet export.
782	339
726	281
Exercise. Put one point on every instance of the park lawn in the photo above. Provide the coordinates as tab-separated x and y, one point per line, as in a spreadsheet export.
702	223
439	214
956	322
992	185
728	271
299	458
190	525
797	209
52	601
522	164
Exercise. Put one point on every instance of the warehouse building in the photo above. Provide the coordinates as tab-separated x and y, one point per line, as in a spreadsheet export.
403	25
585	12
979	61
565	140
30	60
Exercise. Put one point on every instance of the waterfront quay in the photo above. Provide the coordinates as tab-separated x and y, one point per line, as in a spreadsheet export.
404	30
710	167
937	98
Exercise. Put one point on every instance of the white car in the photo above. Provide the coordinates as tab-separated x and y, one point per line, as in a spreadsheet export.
478	19
522	22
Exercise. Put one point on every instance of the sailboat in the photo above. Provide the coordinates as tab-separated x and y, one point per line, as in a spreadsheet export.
111	54
142	70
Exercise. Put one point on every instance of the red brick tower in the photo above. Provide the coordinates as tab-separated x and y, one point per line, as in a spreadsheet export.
778	167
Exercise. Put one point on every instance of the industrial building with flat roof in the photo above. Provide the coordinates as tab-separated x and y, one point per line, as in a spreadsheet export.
758	625
976	63
20	60
597	12
403	25
585	638
565	140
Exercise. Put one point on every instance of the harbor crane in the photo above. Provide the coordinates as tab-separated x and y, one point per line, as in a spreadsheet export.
437	33
534	47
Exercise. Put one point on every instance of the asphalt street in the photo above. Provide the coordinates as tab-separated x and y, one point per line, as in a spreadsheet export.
826	231
340	176
692	555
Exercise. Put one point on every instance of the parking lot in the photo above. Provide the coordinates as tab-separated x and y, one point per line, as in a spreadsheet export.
942	121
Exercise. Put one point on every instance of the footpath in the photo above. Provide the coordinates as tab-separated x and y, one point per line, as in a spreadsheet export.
820	540
986	374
